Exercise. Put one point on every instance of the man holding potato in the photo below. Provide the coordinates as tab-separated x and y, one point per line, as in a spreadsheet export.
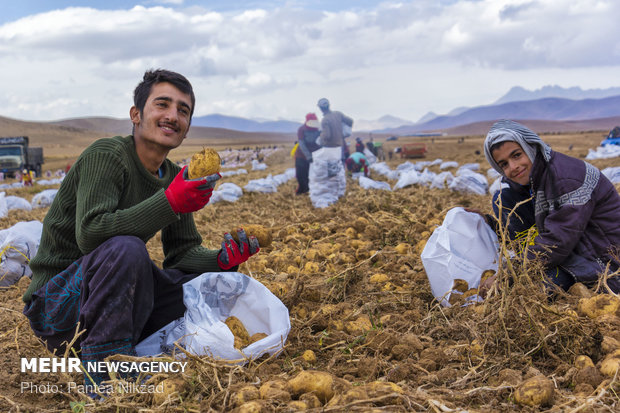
92	271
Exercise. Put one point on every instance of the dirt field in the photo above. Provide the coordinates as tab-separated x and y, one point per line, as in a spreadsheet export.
361	313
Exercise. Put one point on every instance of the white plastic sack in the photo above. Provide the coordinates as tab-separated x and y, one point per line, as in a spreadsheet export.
410	177
368	183
612	173
264	185
258	166
44	198
442	179
448	164
470	182
16	202
227	192
210	299
463	247
604	152
284	177
4	208
467	167
327	181
18	244
382	169
372	159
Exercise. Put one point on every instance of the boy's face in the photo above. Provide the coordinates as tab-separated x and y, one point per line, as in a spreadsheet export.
514	162
165	120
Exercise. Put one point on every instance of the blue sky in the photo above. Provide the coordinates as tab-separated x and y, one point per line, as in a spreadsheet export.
274	60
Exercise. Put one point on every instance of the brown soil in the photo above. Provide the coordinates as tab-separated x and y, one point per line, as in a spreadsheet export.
365	310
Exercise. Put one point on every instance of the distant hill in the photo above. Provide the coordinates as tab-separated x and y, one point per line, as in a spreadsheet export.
548	109
518	93
542	126
245	125
113	126
384	122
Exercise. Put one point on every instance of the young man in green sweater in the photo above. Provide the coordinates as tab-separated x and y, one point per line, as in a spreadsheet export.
92	266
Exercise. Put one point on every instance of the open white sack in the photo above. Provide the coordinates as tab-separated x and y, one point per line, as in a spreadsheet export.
463	247
210	299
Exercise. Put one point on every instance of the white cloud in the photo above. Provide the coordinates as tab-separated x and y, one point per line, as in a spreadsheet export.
282	55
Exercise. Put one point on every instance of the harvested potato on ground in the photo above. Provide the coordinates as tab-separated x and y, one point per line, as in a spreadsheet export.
244	395
583	361
318	382
610	366
277	389
536	391
242	337
262	234
460	285
599	305
309	357
204	163
171	389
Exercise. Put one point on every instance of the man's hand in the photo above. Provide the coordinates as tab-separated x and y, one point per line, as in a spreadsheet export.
188	196
233	254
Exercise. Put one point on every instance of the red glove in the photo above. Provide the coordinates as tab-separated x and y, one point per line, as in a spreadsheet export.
190	195
233	254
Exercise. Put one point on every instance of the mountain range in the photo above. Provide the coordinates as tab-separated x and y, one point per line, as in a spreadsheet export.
551	104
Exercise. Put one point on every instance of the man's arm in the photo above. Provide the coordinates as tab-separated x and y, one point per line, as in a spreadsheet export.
101	187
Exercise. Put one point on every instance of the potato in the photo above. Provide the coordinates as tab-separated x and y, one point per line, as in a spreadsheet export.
262	234
171	389
277	389
583	361
379	278
256	337
242	337
244	395
318	382
204	163
402	248
599	305
610	366
536	391
460	285
254	406
309	357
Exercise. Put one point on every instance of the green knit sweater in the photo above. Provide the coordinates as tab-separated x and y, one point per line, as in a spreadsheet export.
108	192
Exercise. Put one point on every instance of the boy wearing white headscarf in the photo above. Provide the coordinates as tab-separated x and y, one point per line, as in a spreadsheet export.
574	208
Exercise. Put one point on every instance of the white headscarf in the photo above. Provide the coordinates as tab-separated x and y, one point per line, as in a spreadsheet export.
510	131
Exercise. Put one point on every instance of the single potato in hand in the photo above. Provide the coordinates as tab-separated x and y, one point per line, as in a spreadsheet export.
262	234
204	163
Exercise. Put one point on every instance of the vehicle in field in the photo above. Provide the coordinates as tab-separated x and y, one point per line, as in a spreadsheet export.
413	150
16	155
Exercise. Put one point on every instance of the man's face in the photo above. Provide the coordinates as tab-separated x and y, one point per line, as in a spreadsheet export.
165	119
514	162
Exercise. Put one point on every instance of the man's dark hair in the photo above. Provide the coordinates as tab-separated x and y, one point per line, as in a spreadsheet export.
153	77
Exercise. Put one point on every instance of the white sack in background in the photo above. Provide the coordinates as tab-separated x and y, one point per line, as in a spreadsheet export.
327	181
18	244
227	192
44	198
368	183
15	202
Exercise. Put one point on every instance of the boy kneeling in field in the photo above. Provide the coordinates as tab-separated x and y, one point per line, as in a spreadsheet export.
572	207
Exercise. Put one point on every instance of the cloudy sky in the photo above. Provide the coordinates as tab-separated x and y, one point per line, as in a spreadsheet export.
275	59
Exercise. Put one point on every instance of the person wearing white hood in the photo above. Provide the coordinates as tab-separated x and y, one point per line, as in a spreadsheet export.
573	209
